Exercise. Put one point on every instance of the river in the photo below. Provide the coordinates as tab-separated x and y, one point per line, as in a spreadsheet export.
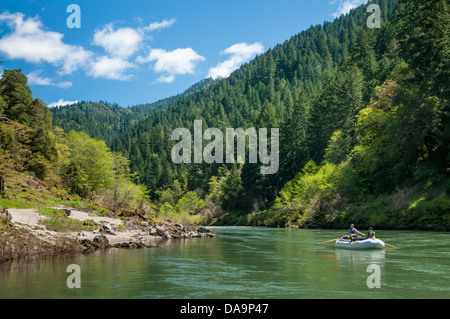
246	262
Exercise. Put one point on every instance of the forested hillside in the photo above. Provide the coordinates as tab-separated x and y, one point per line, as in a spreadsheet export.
39	163
363	118
275	89
99	119
105	121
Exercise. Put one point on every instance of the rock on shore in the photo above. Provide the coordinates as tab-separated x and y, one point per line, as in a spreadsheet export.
144	235
108	233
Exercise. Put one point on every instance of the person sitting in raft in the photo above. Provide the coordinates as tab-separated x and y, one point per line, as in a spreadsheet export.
371	233
352	232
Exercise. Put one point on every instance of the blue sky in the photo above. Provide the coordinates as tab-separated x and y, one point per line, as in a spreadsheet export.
140	51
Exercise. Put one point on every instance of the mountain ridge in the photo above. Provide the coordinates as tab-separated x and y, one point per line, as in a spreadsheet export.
104	121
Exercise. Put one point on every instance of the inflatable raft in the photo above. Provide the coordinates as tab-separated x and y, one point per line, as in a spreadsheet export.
370	243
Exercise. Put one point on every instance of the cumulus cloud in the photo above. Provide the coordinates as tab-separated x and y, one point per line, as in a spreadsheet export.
30	42
345	6
62	102
122	42
239	54
160	25
166	78
34	78
112	68
176	62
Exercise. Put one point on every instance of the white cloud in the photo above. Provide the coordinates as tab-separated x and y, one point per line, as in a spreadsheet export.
346	5
30	42
61	102
122	42
111	68
166	78
160	25
176	62
239	53
34	78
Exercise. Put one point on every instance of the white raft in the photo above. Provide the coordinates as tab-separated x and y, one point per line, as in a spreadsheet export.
370	243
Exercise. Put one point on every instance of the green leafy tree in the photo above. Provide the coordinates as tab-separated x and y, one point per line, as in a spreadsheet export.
91	165
231	190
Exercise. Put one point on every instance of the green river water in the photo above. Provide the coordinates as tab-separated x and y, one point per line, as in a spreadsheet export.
246	262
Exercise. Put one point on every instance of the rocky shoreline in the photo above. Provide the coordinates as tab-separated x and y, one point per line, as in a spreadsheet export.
25	238
108	236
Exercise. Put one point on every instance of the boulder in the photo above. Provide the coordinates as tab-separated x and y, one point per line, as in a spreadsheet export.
132	224
203	230
108	228
160	230
5	215
129	245
101	240
151	230
67	212
89	245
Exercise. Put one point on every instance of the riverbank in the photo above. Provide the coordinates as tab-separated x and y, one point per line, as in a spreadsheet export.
33	234
268	219
406	209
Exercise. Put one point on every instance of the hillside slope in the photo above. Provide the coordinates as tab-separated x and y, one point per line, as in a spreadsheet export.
105	121
273	90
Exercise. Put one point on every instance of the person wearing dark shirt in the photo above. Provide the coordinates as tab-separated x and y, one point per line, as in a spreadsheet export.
352	232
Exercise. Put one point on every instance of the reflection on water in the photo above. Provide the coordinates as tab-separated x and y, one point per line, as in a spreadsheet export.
245	262
360	257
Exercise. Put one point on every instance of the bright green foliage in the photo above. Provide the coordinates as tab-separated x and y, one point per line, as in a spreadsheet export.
337	148
185	211
190	203
231	190
91	165
91	168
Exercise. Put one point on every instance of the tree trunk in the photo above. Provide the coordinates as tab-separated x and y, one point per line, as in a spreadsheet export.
2	185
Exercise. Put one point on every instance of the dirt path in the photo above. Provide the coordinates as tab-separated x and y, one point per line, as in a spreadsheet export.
29	218
25	217
75	214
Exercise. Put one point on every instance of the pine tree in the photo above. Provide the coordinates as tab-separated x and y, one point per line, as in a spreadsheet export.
424	32
336	109
294	152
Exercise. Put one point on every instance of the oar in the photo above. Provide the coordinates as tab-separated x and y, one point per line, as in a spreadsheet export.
328	241
363	234
390	246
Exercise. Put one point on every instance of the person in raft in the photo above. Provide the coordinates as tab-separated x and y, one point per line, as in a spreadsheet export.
352	232
371	233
